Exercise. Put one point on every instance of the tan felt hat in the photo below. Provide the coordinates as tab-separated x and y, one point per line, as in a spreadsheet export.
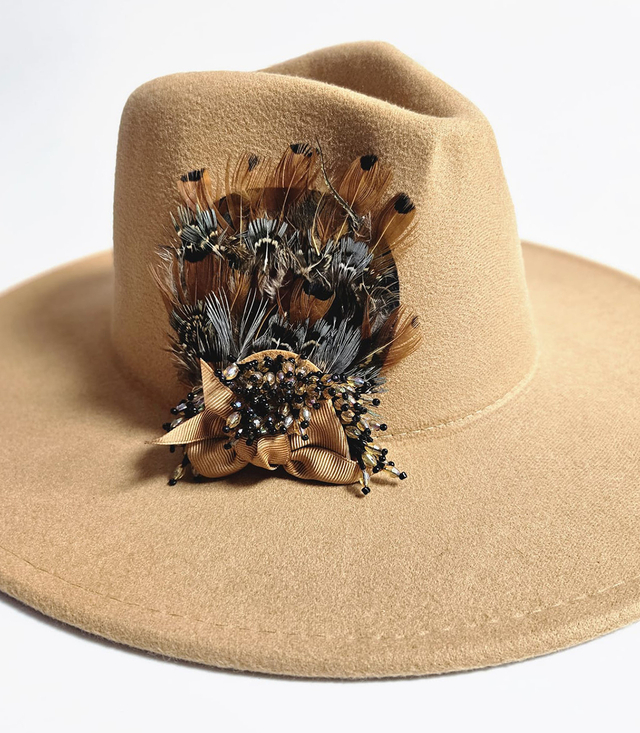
516	419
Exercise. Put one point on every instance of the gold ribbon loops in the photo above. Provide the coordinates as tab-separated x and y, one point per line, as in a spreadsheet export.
323	457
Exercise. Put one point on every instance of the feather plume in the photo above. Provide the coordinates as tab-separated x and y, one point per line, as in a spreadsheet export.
294	258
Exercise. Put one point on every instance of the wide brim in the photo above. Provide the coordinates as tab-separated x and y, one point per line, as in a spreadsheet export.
516	533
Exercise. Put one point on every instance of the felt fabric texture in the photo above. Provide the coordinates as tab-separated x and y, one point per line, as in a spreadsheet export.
517	421
516	533
463	274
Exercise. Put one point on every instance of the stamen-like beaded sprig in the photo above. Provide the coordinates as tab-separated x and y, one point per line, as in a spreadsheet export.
280	395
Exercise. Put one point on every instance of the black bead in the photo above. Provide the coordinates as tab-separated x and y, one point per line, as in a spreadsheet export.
191	396
226	429
304	424
227	446
172	449
172	482
166	426
174	411
366	490
375	401
402	476
390	463
383	426
305	437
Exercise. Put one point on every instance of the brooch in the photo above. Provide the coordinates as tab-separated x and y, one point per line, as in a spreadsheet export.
284	305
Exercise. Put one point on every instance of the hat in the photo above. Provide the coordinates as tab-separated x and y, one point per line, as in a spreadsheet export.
305	256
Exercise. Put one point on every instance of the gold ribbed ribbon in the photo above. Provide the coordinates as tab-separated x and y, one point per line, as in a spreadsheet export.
324	457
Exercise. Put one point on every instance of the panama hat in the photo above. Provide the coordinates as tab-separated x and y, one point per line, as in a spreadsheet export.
511	400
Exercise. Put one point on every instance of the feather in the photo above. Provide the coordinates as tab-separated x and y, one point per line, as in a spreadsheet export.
364	183
195	189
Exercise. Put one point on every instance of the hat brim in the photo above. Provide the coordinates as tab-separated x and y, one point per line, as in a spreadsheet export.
516	533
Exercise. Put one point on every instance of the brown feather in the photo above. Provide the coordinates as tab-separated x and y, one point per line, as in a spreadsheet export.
402	336
392	224
303	307
364	183
196	190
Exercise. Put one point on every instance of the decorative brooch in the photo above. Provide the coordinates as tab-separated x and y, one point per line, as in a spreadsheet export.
284	301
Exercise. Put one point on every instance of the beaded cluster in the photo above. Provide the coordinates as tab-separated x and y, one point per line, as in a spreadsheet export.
280	395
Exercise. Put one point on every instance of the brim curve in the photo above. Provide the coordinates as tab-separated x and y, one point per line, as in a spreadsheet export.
516	534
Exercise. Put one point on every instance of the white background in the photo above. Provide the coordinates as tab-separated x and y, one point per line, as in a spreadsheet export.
559	82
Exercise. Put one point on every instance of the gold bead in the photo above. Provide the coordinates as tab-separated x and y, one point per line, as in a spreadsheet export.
231	372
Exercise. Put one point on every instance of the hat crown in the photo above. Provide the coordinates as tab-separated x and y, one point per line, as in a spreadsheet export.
463	274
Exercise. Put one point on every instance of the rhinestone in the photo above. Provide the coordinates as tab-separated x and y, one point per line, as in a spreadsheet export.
369	459
231	372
